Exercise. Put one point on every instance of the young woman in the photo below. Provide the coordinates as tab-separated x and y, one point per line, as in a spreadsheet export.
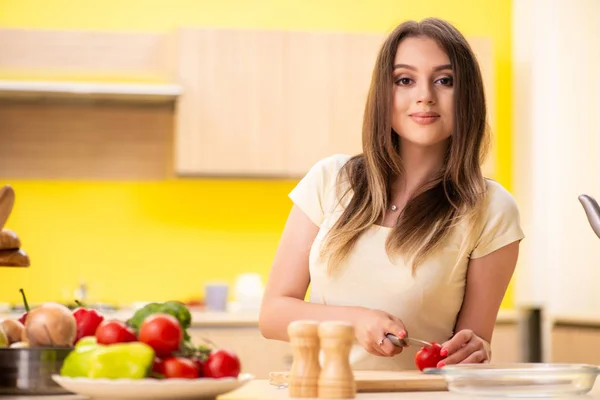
408	237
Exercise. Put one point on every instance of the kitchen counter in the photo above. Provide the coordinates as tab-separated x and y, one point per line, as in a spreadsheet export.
582	318
199	318
238	318
262	390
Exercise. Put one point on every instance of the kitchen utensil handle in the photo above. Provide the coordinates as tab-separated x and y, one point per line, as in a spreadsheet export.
592	210
396	341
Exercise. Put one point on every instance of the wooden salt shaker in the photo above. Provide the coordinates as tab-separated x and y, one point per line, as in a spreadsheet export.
304	374
336	380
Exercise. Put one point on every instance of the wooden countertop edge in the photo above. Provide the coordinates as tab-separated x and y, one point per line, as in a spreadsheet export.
583	320
202	319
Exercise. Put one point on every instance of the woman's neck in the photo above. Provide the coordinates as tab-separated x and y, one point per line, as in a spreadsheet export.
420	164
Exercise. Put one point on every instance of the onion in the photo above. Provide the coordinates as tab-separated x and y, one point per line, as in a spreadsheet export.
50	324
13	330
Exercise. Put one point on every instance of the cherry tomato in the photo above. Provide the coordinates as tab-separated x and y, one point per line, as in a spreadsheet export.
222	363
428	357
199	364
162	332
179	367
112	331
158	367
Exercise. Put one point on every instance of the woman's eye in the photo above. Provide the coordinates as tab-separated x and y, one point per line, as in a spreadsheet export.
403	81
446	81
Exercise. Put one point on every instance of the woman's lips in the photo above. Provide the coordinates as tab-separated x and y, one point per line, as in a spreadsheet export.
425	118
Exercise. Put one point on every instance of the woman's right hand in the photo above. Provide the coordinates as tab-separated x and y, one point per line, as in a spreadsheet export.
371	327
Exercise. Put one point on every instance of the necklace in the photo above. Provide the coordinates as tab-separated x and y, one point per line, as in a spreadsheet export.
394	208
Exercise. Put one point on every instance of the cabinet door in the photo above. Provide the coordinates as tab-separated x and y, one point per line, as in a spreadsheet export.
326	80
229	117
575	344
506	344
259	103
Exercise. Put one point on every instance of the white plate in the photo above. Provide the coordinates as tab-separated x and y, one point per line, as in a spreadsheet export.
173	389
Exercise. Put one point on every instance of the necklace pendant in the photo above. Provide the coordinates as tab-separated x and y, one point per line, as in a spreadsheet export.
394	208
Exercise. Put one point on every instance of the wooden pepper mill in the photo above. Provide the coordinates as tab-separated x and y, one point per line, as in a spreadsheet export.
336	380
304	374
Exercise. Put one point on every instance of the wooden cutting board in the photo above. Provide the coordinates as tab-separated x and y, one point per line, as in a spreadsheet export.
384	381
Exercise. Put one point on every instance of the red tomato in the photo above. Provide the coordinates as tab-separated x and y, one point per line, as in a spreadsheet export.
179	367
222	363
200	365
162	332
428	357
158	367
111	331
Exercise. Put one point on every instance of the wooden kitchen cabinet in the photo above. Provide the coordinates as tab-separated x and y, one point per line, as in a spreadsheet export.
269	103
506	343
326	82
575	344
230	115
228	102
58	125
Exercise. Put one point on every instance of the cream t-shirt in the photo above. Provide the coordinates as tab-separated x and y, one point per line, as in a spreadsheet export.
428	302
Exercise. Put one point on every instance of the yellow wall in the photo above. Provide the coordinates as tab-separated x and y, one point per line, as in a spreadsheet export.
141	241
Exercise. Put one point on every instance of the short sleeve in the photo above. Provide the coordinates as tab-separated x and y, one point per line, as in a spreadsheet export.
315	191
502	224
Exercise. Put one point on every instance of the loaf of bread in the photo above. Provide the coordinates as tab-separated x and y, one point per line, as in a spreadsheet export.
14	258
9	240
7	200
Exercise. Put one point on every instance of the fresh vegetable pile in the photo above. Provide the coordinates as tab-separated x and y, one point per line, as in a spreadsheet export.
153	343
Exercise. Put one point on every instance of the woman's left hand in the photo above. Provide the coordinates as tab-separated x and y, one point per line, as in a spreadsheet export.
465	347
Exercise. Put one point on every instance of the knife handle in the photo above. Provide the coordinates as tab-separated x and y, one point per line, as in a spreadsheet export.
396	341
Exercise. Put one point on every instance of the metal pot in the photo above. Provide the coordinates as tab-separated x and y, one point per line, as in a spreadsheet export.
28	371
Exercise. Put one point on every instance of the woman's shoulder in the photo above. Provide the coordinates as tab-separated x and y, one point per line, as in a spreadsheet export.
317	192
332	164
499	199
325	171
500	224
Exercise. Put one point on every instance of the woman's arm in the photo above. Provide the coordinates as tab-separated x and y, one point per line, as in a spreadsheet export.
283	300
487	280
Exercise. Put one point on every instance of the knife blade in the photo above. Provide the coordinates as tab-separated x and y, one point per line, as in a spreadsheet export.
407	341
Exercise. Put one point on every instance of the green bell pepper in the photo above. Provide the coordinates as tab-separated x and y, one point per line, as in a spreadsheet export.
89	359
85	342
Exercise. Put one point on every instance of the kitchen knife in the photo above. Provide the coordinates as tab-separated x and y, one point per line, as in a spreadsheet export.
407	341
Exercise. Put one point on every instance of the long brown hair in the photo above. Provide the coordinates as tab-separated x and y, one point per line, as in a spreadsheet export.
456	191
